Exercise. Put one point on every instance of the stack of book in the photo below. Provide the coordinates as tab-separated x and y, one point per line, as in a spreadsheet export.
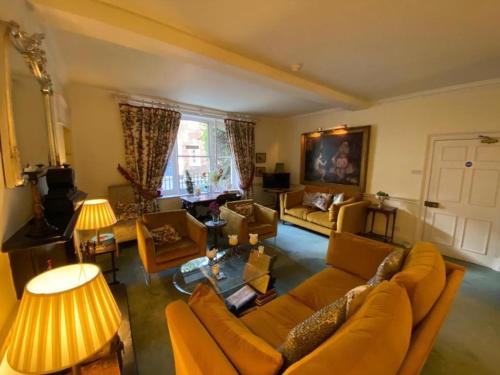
262	299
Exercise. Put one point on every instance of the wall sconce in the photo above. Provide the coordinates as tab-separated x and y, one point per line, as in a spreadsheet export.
340	130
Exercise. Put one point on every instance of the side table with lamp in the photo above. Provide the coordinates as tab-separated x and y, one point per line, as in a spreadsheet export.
67	316
95	215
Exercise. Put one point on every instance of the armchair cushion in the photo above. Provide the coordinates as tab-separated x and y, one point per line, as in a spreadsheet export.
246	209
175	218
325	287
249	353
174	250
164	234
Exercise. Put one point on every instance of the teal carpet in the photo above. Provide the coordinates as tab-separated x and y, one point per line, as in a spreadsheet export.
469	341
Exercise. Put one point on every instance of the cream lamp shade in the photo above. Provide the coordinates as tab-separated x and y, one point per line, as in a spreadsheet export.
66	315
95	214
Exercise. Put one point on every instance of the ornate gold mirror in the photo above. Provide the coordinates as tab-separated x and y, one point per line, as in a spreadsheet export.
26	105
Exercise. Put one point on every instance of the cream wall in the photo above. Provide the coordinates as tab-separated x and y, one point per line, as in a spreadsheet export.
400	132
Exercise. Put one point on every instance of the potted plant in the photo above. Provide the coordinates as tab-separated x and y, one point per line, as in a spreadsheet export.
381	197
214	210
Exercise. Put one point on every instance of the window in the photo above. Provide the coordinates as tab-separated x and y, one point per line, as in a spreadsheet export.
202	149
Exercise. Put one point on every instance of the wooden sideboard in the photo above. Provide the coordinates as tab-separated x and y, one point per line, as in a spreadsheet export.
30	256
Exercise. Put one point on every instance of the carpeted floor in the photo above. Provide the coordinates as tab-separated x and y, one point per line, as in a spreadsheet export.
469	341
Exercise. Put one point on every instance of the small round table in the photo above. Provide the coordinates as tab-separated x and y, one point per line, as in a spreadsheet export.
215	226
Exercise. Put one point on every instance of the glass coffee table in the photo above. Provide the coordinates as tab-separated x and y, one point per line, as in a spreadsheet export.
236	269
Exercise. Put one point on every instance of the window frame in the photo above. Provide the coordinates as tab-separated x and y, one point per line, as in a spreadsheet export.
213	157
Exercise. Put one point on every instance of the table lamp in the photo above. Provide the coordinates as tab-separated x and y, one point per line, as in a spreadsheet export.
66	316
95	214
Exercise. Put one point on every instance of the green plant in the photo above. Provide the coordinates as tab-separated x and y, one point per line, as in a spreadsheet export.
382	194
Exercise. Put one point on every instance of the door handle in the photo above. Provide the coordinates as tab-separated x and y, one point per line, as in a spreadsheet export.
431	204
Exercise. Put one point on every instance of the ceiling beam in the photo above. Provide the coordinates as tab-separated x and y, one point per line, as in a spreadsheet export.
142	26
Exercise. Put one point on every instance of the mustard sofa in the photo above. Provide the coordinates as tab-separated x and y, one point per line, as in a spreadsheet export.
351	215
391	333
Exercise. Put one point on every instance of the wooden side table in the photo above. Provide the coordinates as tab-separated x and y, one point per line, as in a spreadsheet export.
388	213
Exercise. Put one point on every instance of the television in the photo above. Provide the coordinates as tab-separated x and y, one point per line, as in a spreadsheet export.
276	180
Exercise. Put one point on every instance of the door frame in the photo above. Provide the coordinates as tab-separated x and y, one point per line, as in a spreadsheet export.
429	154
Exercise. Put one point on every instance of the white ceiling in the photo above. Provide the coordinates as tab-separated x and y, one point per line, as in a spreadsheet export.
370	48
112	66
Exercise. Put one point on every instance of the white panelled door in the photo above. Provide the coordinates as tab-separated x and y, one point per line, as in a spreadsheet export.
464	182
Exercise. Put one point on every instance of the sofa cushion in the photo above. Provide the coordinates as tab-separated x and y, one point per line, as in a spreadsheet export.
391	265
374	340
173	250
249	353
358	255
274	320
310	333
424	277
300	211
260	228
320	218
325	287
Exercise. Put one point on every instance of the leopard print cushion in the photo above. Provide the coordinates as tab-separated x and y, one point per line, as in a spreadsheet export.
391	265
309	334
165	234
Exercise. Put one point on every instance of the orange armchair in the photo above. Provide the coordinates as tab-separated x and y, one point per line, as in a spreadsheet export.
193	242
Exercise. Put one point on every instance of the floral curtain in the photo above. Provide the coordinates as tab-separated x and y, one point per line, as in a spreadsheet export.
241	136
150	135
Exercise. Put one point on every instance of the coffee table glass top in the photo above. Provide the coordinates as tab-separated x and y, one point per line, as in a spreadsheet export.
236	270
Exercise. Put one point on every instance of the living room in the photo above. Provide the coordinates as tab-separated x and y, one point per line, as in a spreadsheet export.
390	107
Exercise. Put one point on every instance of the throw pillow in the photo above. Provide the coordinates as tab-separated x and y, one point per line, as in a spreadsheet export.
391	265
338	198
246	209
249	353
322	201
308	198
355	298
312	332
127	211
164	234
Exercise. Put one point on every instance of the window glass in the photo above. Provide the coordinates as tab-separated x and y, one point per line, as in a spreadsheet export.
203	150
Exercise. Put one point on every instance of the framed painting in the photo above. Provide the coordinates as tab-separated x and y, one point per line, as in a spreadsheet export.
336	158
260	157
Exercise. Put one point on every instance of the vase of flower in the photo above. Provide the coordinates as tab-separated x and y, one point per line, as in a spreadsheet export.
381	197
214	210
189	183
